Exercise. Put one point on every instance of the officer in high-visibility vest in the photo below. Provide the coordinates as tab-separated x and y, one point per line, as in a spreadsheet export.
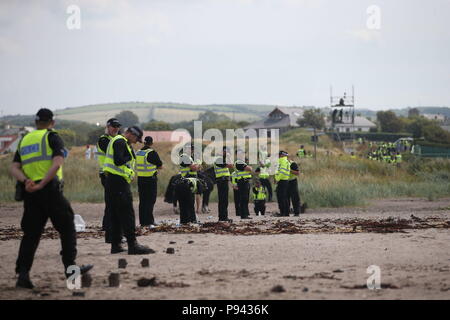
112	129
236	196
293	193
147	164
282	181
398	158
301	153
186	186
263	174
118	168
194	154
222	173
37	166
244	175
259	198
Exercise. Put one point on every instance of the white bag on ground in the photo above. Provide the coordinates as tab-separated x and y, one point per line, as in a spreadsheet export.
80	225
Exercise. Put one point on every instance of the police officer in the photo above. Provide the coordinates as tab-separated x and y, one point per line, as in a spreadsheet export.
263	175
293	193
236	196
222	173
186	187
259	198
189	150
244	175
282	181
37	165
118	168
112	129
301	153
147	164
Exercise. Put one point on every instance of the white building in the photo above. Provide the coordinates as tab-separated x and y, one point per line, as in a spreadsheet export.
361	124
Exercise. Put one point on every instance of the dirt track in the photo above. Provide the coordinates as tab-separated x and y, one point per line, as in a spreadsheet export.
324	255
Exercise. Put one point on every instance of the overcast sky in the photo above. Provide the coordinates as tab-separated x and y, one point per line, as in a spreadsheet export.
284	52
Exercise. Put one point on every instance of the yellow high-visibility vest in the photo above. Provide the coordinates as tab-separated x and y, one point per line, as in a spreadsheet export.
186	171
301	153
36	155
241	174
260	193
284	170
219	171
143	167
264	173
234	178
100	154
291	175
126	170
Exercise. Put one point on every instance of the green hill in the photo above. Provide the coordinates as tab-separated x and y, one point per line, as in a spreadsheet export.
169	112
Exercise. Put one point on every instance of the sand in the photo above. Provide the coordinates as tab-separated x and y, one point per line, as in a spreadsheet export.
414	263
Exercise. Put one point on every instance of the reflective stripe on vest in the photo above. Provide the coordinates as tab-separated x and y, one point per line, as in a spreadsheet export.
36	155
143	167
283	171
241	174
184	171
219	171
264	174
109	166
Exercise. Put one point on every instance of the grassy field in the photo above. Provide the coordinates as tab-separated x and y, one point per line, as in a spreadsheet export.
169	112
334	180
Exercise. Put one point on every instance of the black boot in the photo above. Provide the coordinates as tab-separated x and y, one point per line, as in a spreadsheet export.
117	248
136	248
23	281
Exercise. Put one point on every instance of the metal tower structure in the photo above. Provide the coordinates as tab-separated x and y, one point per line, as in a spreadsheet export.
343	114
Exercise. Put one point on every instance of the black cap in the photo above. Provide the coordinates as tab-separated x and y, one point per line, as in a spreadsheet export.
137	132
113	122
283	153
148	140
44	115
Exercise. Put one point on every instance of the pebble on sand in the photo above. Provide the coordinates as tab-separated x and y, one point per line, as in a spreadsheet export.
145	263
278	289
122	263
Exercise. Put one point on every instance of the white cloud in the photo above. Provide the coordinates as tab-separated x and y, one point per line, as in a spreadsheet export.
366	35
9	46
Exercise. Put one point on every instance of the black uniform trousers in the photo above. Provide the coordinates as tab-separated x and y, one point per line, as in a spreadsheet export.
186	200
266	184
120	204
294	196
260	206
237	204
282	197
222	192
49	202
148	187
244	196
207	193
106	221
